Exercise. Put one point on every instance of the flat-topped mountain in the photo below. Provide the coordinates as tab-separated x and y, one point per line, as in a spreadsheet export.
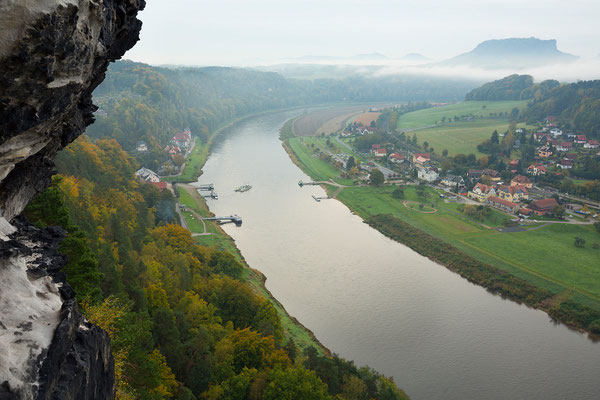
514	53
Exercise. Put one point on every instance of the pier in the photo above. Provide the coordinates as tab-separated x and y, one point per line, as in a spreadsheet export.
236	219
318	199
300	183
206	187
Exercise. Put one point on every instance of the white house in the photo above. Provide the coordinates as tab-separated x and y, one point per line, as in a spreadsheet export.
144	174
556	132
427	175
592	144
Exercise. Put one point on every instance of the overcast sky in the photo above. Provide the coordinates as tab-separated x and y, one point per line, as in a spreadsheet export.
247	32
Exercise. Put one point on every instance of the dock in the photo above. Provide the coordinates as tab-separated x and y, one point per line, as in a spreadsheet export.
206	187
211	195
236	219
318	199
300	183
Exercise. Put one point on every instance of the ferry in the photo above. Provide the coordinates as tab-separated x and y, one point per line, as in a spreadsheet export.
243	188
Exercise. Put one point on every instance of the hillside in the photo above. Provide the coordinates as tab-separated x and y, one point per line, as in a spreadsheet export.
514	53
512	87
576	105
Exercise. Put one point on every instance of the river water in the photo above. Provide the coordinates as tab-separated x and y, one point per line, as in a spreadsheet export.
377	302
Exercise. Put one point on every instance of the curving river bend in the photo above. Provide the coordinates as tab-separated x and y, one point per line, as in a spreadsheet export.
377	302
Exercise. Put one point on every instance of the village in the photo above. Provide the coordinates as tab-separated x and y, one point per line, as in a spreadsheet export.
518	189
177	150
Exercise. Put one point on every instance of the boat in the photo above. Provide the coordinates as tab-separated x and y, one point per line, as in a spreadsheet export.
243	188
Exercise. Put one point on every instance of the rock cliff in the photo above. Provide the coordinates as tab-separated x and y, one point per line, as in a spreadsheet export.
53	54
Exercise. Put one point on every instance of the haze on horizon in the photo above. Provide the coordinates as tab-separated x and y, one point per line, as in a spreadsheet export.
263	32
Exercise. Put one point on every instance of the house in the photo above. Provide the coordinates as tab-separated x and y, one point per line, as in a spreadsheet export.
502	204
517	144
571	156
580	139
380	152
550	118
592	144
512	193
513	164
525	212
492	174
565	163
519	130
146	175
544	206
375	147
396	158
545	152
421	158
565	146
474	174
536	170
541	136
481	192
142	147
556	132
428	174
452	180
521	180
182	139
570	135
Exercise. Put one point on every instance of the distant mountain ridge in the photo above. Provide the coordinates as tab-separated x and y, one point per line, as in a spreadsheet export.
512	53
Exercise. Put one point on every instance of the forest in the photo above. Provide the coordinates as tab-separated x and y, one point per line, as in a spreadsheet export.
183	323
141	102
577	105
512	87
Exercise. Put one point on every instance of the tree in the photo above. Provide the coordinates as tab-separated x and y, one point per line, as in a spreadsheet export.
372	125
376	177
295	383
425	145
579	242
398	193
445	153
494	138
351	163
558	211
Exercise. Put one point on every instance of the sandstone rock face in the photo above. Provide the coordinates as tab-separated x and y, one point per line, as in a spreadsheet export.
53	54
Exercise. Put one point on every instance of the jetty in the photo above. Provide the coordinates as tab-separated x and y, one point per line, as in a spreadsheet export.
206	187
318	199
300	183
236	219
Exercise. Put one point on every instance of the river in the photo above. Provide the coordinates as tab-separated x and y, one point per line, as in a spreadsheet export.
377	302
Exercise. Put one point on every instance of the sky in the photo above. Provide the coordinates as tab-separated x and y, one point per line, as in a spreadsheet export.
258	32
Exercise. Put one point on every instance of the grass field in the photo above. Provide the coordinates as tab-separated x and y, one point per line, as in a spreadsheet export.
314	167
429	116
335	124
463	136
545	257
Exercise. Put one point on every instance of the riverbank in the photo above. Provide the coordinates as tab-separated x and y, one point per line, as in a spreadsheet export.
522	266
208	233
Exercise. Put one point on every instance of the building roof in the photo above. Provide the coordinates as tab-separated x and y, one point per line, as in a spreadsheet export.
525	211
375	146
594	142
498	200
544	204
424	155
521	179
381	151
581	137
491	172
397	156
483	187
160	185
